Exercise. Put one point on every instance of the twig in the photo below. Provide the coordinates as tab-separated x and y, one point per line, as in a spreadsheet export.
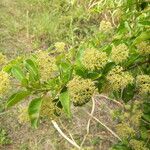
138	64
89	121
112	100
66	130
112	132
64	135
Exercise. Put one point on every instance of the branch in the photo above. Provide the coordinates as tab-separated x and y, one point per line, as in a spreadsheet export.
138	64
64	135
66	130
112	100
112	132
89	121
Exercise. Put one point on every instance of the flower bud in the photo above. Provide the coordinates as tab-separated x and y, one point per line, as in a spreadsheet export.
93	59
46	64
143	48
119	53
119	79
143	82
81	90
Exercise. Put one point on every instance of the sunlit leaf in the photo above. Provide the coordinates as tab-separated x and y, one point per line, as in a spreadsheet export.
17	97
34	111
17	73
65	101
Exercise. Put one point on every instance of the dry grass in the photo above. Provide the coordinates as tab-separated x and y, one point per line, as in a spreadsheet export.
46	137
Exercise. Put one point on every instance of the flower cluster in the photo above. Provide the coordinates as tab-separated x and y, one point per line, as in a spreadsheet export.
60	46
81	90
143	48
119	53
49	109
137	145
93	59
105	26
3	60
143	82
118	78
133	114
4	83
46	64
124	130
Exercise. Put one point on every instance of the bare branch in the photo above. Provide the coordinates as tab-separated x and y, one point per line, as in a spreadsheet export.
112	132
113	100
89	121
64	135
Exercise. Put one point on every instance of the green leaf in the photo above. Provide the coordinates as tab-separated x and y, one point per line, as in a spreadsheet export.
17	73
17	97
128	93
108	67
24	82
12	63
32	68
93	75
143	36
79	54
80	69
145	23
65	101
65	71
130	3
34	111
146	117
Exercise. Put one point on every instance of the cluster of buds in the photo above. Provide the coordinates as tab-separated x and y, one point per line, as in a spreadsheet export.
137	145
94	60
49	108
143	48
47	65
105	26
119	53
143	82
60	47
81	90
118	78
124	130
4	83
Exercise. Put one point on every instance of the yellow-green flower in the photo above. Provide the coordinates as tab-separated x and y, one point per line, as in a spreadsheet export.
105	26
81	90
93	59
119	79
119	53
144	48
124	130
143	82
49	109
136	118
47	66
4	83
60	46
137	145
